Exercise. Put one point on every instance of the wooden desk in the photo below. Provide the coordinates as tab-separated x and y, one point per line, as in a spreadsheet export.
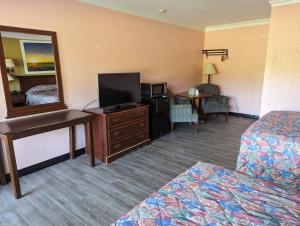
194	99
20	128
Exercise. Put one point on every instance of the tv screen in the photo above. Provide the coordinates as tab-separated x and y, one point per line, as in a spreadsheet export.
119	89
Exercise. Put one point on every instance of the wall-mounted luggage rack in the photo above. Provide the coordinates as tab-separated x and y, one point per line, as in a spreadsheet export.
216	52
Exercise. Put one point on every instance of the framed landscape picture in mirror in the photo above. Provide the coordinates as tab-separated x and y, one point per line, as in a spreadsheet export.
30	69
38	57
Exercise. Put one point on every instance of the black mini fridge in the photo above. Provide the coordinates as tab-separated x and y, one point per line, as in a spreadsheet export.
159	116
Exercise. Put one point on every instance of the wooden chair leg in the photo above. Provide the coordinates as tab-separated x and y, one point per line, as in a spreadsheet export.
197	127
226	117
172	126
205	117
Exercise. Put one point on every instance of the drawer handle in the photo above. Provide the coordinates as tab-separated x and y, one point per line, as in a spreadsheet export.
116	133
142	136
116	119
117	146
142	124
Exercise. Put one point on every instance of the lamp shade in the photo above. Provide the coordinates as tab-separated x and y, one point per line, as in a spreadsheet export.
9	63
10	77
210	69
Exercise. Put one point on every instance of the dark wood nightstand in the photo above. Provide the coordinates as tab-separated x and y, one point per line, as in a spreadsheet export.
18	99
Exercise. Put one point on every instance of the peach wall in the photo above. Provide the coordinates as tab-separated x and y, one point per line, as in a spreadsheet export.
281	89
241	76
93	40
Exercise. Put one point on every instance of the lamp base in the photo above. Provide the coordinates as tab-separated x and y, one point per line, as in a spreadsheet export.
208	81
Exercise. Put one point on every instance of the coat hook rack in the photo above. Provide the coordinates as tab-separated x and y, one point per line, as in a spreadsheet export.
216	52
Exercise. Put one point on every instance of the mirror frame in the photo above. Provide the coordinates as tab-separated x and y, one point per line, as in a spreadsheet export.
29	110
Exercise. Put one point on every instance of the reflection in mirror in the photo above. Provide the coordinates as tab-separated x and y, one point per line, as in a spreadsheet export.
30	66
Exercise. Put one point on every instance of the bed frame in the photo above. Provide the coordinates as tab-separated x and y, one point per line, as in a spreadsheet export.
29	81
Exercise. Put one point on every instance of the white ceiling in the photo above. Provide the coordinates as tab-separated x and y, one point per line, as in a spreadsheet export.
195	14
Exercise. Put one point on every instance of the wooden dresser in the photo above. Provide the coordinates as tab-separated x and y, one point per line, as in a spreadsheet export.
119	132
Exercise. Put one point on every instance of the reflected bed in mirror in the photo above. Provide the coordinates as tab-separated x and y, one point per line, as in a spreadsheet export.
37	90
30	71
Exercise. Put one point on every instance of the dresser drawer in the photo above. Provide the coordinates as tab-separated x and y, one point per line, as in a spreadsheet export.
124	131
127	117
128	142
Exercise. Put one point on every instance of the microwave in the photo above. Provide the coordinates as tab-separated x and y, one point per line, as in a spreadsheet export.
149	90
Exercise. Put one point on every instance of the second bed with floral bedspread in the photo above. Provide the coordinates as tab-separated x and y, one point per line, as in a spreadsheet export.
270	149
207	194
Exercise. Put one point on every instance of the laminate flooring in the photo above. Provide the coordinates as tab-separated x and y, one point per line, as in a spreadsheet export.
72	193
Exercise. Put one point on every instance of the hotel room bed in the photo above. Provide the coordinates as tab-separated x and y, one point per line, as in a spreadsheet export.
270	149
42	94
207	194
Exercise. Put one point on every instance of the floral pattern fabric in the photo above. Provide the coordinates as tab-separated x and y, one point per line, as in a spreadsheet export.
270	149
207	194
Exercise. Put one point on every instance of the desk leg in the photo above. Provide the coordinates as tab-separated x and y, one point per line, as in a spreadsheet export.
89	140
72	141
12	165
2	170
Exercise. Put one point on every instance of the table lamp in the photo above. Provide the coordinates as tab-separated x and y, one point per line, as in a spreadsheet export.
10	77
9	63
209	70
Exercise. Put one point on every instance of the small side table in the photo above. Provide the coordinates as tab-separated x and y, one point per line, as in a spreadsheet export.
195	99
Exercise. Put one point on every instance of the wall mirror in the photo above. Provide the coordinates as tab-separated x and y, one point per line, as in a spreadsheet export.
30	69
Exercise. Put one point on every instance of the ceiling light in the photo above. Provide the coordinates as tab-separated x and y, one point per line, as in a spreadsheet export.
163	10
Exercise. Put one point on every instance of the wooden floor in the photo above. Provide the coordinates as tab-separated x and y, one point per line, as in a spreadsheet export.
72	193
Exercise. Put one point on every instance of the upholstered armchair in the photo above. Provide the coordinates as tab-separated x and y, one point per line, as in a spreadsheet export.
181	110
214	104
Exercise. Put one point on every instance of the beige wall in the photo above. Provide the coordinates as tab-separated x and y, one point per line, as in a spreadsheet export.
93	40
12	50
241	76
282	75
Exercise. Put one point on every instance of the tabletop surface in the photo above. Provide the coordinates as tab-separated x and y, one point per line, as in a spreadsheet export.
42	121
98	111
200	95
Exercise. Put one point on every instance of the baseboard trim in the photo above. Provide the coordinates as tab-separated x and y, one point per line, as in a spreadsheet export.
244	115
45	164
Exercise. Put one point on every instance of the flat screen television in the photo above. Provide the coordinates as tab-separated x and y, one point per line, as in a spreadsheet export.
119	89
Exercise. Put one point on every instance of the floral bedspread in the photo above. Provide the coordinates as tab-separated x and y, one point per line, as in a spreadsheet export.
270	149
207	194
